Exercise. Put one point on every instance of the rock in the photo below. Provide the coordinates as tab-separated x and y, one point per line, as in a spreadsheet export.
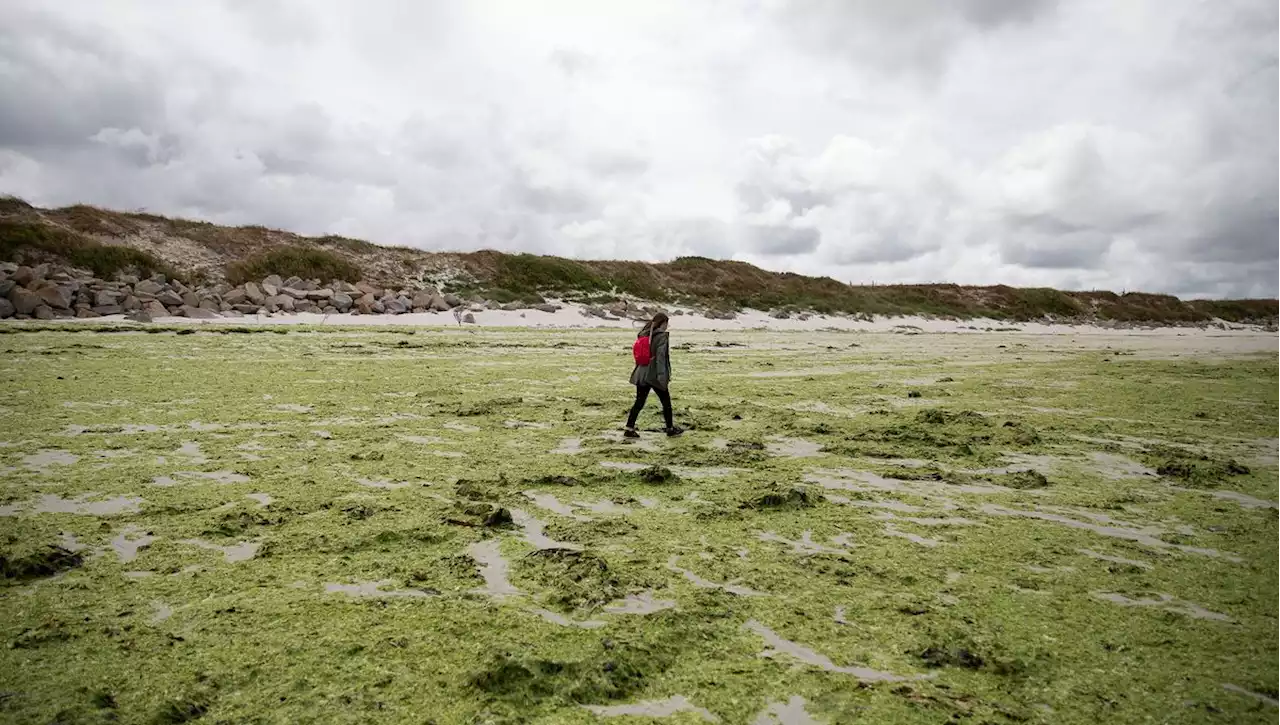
378	308
179	287
270	290
272	280
169	298
235	296
198	313
330	310
24	275
422	299
105	297
342	301
6	286
128	279
131	304
254	294
452	301
86	313
6	308
108	310
546	307
232	313
677	313
437	303
281	302
55	296
780	315
368	289
365	304
190	299
395	305
295	282
304	306
513	306
308	285
43	312
138	316
155	309
721	314
40	271
297	294
148	287
319	295
24	300
804	316
469	319
211	305
246	308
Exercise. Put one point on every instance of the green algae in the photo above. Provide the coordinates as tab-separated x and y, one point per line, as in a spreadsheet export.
1002	610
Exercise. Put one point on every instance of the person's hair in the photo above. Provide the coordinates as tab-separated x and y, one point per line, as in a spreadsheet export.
659	320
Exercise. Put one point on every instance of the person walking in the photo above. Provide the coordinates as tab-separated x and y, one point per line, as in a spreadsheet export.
652	353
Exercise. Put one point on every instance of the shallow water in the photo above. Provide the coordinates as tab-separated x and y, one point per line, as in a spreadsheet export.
372	589
701	583
775	645
494	569
243	551
654	708
53	504
641	604
1166	602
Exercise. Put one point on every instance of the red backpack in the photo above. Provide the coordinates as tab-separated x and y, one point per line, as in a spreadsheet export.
640	351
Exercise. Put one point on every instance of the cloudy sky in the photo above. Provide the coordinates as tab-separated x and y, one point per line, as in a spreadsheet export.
1118	144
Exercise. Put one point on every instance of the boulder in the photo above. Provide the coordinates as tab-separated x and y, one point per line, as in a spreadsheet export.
342	301
24	275
224	308
56	296
131	304
155	309
272	280
43	312
281	302
308	285
295	282
422	299
24	300
148	287
368	289
198	313
304	306
232	313
366	302
378	308
253	293
6	308
40	271
319	295
106	297
677	313
437	304
452	301
138	316
780	315
128	279
235	296
270	290
546	307
245	308
190	299
86	313
108	309
208	303
469	319
169	298
6	285
720	314
512	306
294	292
395	305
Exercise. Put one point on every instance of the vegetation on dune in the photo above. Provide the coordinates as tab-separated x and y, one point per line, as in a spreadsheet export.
301	262
30	243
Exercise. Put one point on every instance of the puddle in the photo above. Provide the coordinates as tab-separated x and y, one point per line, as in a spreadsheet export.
775	645
806	545
138	574
53	504
701	583
124	429
525	424
568	447
372	589
1117	468
1244	500
192	451
1114	559
892	530
603	506
532	530
69	542
461	427
793	447
891	505
129	541
423	440
114	453
791	712
927	520
251	446
654	708
1256	695
713	472
243	551
41	461
493	569
850	480
629	467
563	621
215	476
1146	535
292	408
263	499
381	484
159	612
1166	602
1019	462
643	444
551	503
642	603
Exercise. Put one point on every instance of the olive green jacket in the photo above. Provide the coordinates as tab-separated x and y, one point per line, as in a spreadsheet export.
657	373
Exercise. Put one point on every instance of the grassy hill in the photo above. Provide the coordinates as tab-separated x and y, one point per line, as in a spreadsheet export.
106	242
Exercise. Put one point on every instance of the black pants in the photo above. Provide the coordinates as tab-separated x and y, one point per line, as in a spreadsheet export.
642	395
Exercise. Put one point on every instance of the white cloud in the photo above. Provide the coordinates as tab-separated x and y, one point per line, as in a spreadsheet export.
1089	143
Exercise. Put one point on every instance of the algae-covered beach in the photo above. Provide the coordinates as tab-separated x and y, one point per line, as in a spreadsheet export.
442	525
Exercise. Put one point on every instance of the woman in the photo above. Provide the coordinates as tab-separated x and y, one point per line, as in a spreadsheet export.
655	376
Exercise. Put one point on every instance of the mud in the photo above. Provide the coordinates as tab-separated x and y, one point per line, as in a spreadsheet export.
791	712
263	499
532	530
1114	559
1147	535
603	506
292	408
701	583
53	504
243	551
891	505
793	447
1166	602
806	545
1118	468
373	590
551	503
641	604
892	530
223	477
494	569
129	542
654	708
568	447
775	645
1244	500
926	520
